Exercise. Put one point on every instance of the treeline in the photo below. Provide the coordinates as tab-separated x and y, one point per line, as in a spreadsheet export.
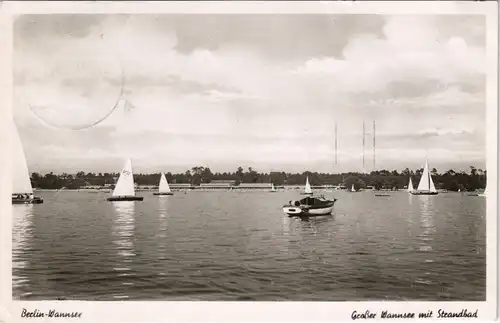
383	179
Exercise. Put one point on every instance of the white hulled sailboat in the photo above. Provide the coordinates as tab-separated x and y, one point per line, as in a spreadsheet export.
22	191
273	189
308	189
426	185
124	189
163	188
485	193
410	186
353	189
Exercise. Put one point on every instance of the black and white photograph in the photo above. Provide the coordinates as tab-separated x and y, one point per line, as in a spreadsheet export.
345	153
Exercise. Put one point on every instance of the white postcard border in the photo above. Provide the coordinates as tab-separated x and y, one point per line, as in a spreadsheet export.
152	311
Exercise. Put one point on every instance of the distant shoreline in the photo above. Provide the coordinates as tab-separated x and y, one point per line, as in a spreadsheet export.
202	178
203	189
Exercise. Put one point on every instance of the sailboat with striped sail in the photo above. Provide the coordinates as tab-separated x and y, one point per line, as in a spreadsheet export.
163	188
426	184
22	191
125	189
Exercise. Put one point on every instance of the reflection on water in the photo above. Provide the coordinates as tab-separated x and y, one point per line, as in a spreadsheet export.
162	227
426	223
123	231
240	246
22	222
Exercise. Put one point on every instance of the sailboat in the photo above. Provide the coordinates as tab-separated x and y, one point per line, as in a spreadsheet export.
410	186
485	192
163	188
426	185
22	191
273	188
124	189
352	188
307	190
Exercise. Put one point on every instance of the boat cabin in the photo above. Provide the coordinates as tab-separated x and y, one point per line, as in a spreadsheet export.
310	200
22	196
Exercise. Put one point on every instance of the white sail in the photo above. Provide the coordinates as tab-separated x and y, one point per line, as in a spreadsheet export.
21	182
352	188
433	188
410	186
426	184
485	192
125	184
273	188
308	189
163	187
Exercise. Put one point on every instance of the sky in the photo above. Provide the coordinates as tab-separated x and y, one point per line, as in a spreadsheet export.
261	91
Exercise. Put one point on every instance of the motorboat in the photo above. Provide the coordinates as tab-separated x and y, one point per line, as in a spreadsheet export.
26	199
309	206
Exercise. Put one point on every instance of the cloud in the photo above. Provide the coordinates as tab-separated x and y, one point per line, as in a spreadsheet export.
201	96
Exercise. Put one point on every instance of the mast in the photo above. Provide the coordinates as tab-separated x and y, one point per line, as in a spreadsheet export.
363	146
335	143
373	144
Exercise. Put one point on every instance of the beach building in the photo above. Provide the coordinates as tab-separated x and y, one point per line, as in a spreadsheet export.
253	186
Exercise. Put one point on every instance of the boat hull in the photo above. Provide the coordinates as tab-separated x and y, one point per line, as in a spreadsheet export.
161	194
125	198
423	193
36	200
307	211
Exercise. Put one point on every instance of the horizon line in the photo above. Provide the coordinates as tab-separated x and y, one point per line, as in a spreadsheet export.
261	173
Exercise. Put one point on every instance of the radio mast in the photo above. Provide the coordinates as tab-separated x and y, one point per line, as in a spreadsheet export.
336	143
373	144
363	147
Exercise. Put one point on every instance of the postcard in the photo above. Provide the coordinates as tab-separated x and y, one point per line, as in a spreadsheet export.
248	161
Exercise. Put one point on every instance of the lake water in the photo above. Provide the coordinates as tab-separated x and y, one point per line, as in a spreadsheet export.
240	246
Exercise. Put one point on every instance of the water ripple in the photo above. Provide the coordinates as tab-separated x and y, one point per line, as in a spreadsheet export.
236	246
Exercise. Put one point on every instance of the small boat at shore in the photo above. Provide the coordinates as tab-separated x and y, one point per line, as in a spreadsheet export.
163	188
485	192
309	206
125	189
273	188
22	191
426	185
353	190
